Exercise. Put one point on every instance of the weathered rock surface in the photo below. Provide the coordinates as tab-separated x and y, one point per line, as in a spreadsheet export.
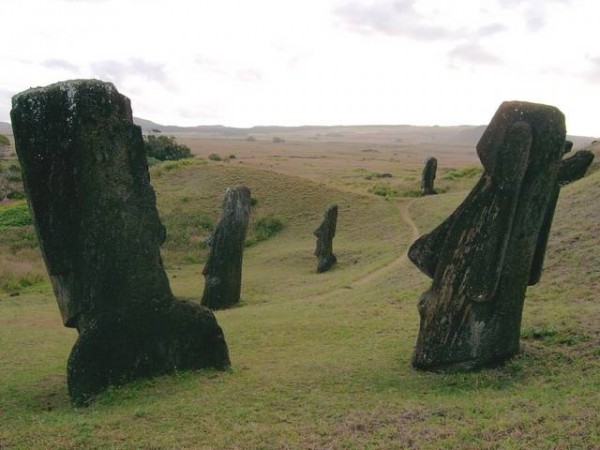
575	167
428	176
87	184
223	269
325	234
483	257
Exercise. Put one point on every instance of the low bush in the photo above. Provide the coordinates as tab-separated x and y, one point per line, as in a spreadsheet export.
15	214
467	172
263	229
165	148
383	190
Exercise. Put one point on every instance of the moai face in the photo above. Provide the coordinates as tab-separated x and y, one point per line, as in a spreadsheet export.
87	183
485	254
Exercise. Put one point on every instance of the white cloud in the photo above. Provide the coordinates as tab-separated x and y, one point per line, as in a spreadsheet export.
472	54
191	62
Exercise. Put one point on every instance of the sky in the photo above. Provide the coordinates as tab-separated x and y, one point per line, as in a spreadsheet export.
312	62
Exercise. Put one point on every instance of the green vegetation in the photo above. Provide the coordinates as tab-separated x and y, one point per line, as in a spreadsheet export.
383	190
263	229
455	174
215	157
165	148
319	361
4	141
15	214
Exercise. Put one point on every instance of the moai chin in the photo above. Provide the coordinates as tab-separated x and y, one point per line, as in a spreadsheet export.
94	210
428	176
574	167
325	234
223	269
483	257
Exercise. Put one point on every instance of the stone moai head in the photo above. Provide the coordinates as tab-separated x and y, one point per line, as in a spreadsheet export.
87	183
485	254
428	176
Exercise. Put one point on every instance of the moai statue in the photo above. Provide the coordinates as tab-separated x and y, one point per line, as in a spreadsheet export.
94	210
325	234
223	269
574	168
483	257
428	177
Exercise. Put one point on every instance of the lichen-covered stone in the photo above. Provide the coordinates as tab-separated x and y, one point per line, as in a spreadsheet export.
223	269
325	234
485	254
428	177
87	184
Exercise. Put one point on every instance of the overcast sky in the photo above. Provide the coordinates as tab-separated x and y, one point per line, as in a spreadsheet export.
324	62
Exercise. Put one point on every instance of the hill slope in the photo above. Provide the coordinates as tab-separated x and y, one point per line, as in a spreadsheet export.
324	361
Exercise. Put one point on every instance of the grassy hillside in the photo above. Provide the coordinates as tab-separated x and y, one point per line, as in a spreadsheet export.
323	361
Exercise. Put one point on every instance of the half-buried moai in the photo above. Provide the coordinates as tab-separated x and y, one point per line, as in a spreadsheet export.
88	188
223	269
428	176
483	257
325	234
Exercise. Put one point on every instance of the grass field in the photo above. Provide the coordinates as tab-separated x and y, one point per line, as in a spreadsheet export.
319	361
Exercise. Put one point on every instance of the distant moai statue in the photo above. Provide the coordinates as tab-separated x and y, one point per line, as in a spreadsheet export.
223	269
325	234
574	167
483	257
428	176
94	210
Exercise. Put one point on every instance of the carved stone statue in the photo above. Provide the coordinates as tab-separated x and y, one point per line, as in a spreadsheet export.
94	210
483	257
428	176
223	269
574	168
325	234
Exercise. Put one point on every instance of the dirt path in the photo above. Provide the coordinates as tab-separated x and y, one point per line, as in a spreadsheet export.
404	212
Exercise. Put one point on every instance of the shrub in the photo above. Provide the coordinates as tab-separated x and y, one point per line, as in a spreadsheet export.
411	193
467	172
384	190
15	215
4	141
278	140
15	195
264	229
214	157
165	148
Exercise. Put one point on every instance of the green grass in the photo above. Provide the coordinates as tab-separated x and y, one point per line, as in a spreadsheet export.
321	360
